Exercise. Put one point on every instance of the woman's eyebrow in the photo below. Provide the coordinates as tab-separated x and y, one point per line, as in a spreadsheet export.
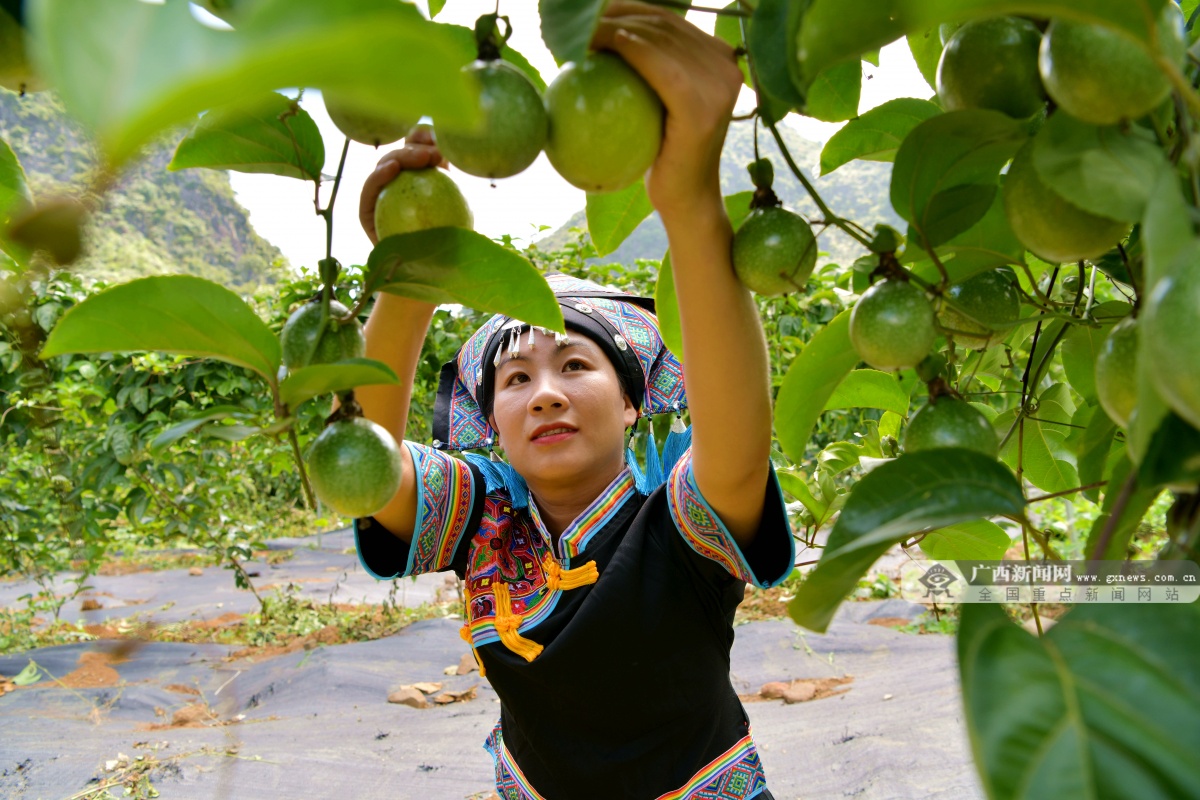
520	357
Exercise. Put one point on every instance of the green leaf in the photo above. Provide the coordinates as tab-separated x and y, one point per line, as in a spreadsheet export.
435	7
272	135
939	157
1173	456
978	539
1103	705
186	426
1092	454
1082	344
877	134
926	49
987	244
1136	505
14	190
1046	461
339	376
767	41
666	305
794	484
1169	240
825	38
30	674
129	70
177	314
464	37
454	265
811	380
612	216
914	493
568	25
1106	171
869	388
838	457
835	94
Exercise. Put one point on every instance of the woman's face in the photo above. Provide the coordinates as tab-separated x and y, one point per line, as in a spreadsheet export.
560	412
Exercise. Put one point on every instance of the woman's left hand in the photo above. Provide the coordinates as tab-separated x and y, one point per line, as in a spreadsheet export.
698	80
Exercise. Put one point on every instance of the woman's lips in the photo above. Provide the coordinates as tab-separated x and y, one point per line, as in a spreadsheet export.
554	435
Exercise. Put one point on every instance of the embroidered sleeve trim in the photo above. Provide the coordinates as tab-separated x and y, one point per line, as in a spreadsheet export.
704	531
511	783
445	495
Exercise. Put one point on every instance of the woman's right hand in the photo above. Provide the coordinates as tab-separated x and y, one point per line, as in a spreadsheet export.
418	152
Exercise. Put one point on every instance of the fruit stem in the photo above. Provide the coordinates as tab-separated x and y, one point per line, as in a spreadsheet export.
1039	498
308	492
327	212
721	12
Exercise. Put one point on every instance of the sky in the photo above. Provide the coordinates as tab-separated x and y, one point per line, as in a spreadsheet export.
281	209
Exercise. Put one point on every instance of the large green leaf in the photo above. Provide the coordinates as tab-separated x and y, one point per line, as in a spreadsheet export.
272	135
1106	171
835	94
612	216
1104	705
877	134
196	421
826	36
129	70
568	25
14	190
177	314
946	171
767	41
869	388
811	380
1082	344
916	492
926	49
455	265
666	304
987	244
339	376
1093	449
978	539
1173	456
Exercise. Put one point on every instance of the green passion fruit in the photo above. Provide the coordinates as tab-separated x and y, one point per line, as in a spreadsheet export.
774	251
354	467
418	199
950	422
992	63
1103	77
1049	225
989	299
891	326
605	123
1116	372
365	127
306	341
1171	326
513	128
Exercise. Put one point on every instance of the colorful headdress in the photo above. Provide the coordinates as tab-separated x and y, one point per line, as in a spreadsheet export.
623	325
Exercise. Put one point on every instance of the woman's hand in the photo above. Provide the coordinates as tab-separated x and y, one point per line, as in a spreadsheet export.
698	80
418	152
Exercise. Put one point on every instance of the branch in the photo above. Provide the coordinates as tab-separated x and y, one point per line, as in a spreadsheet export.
1114	516
1066	492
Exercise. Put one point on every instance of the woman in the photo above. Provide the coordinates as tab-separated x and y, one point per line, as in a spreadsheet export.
583	578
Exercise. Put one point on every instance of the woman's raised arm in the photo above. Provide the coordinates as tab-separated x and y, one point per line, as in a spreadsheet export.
725	354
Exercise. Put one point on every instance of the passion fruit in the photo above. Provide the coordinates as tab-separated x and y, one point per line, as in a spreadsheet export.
365	127
774	251
605	123
306	341
513	127
950	422
1116	372
990	299
892	325
992	63
418	199
355	467
1171	325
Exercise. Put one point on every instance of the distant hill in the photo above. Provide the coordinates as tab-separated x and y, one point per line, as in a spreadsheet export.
858	191
154	222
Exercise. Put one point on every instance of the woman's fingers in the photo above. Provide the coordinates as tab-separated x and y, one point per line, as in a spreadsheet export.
418	152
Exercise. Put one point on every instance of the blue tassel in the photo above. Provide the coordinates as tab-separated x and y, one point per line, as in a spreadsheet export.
674	448
500	475
654	470
639	478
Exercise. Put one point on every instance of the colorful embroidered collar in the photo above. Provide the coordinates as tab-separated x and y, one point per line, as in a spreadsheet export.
593	519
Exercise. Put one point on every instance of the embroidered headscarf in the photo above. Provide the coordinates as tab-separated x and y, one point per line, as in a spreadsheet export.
622	325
